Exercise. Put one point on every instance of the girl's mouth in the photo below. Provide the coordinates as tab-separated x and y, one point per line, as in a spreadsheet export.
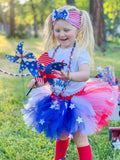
63	39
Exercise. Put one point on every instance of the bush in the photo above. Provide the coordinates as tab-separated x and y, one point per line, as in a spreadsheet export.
22	32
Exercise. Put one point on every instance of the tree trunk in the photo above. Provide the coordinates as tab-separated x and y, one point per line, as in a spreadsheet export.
96	12
12	18
7	30
35	20
70	2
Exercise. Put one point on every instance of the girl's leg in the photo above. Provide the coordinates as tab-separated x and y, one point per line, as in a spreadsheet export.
61	148
83	147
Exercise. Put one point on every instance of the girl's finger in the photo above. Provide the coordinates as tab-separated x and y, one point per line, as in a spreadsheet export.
62	73
56	72
68	72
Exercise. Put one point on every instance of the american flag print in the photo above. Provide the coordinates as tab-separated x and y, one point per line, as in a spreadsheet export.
45	59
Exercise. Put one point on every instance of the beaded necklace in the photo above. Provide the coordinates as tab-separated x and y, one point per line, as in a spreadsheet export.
68	68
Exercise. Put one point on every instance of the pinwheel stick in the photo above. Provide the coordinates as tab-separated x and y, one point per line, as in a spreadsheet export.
30	89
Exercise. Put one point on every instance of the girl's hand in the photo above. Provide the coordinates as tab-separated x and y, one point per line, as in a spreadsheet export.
64	76
33	85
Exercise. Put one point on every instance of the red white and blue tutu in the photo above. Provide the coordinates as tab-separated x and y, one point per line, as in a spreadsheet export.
86	111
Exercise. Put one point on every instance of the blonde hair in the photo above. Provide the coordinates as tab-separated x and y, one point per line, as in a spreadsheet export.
85	36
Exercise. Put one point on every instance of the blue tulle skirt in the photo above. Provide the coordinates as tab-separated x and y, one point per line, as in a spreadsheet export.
87	112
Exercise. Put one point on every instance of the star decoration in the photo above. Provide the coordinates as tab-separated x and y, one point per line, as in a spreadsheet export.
41	121
52	106
55	105
32	67
55	102
21	57
79	120
72	106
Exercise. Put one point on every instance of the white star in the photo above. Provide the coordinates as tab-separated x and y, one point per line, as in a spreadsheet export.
79	120
32	64
55	106
55	102
52	106
72	106
31	69
41	121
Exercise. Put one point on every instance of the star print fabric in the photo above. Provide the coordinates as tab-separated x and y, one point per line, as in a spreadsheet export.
87	112
55	116
21	57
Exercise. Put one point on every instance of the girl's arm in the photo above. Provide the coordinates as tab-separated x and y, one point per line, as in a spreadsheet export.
82	75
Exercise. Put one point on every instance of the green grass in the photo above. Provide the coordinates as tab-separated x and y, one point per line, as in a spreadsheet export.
108	57
18	142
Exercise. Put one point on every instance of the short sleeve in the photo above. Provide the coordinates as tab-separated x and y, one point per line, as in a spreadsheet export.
83	57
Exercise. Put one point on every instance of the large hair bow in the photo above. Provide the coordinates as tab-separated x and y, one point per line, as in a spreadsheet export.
60	15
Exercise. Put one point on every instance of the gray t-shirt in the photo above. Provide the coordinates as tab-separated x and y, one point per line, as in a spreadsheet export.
63	54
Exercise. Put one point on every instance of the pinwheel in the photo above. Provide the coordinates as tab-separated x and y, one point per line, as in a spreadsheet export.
21	57
45	72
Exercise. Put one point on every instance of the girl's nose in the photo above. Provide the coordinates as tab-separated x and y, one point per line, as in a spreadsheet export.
62	33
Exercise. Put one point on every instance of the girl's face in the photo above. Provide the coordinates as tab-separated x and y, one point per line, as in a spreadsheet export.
65	33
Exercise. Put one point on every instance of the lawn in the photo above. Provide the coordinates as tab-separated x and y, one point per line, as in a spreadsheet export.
18	142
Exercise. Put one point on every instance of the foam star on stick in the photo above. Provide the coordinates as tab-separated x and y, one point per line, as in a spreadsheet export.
21	56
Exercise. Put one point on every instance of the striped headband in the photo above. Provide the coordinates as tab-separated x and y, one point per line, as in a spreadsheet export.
73	17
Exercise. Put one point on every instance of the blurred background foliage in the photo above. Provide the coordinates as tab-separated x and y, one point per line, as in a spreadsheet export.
25	18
